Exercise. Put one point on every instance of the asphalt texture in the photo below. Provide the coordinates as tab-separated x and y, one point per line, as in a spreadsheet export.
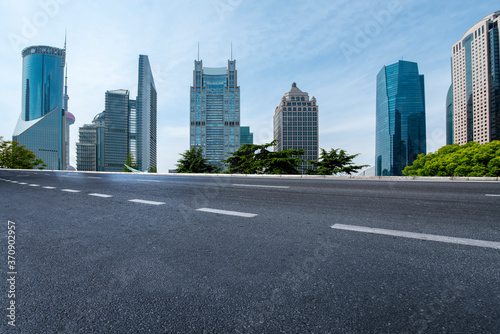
89	260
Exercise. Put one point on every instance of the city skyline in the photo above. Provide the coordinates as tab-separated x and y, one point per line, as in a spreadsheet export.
329	56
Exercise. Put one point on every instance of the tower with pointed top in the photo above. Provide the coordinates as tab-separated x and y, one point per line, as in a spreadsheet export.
41	126
296	125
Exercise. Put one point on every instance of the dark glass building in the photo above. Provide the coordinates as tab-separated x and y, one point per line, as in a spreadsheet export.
215	111
143	142
116	130
296	125
400	128
41	127
246	137
449	116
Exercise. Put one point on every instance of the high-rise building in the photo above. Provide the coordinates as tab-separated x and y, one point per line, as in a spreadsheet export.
215	111
449	116
476	83
400	128
144	145
116	146
246	137
90	147
296	125
42	126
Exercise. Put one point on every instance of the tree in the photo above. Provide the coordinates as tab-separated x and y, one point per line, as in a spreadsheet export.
336	161
257	159
130	162
15	156
192	161
471	159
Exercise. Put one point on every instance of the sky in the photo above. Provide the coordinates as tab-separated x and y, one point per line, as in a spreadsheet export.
332	49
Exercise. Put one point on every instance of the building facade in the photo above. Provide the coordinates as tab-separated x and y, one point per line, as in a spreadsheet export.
476	83
246	137
400	120
296	125
215	111
144	144
449	116
116	146
42	126
90	147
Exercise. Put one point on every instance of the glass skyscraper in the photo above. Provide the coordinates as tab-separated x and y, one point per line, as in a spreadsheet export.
400	128
246	137
41	127
215	111
116	130
296	125
90	148
143	142
449	116
476	83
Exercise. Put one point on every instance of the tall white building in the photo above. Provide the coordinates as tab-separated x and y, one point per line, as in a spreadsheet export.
476	83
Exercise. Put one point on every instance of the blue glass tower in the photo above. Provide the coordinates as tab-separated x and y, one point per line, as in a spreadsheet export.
116	130
41	126
400	129
215	111
449	116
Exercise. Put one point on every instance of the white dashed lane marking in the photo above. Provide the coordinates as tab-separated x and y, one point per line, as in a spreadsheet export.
146	202
70	190
419	236
100	195
229	213
48	187
34	185
492	195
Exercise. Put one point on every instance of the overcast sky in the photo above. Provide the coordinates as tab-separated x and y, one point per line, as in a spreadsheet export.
332	49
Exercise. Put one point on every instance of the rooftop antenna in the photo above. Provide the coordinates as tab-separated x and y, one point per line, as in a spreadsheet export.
231	51
198	51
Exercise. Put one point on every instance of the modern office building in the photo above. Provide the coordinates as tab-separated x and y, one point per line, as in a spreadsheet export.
246	137
449	116
116	146
296	125
90	147
42	125
144	144
400	128
215	111
476	83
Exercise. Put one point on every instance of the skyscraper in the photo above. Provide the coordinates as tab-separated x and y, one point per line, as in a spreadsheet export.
449	116
90	147
296	125
400	128
215	111
476	83
246	137
146	113
41	127
116	146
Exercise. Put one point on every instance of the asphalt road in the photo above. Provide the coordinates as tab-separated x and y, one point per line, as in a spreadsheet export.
111	253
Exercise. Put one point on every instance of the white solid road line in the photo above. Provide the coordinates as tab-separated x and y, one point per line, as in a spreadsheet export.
94	177
420	236
101	195
70	190
149	181
48	187
230	213
260	186
492	195
146	202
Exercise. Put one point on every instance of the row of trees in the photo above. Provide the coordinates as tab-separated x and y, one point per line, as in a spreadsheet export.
471	159
15	156
258	159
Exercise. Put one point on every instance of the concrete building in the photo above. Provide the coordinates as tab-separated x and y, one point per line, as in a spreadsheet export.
476	83
296	125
